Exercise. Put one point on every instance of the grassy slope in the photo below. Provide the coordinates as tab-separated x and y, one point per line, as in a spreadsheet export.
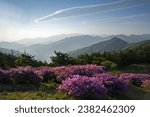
31	92
49	92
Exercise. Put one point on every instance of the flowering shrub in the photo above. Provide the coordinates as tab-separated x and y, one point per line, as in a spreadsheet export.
21	75
146	83
64	72
115	86
104	76
84	87
81	81
79	86
46	74
2	75
134	79
112	83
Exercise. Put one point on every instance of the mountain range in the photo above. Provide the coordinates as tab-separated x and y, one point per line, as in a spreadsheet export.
109	45
68	44
10	51
44	40
75	44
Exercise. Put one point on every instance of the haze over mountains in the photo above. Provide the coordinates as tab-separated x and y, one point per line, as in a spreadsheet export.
77	44
44	40
9	51
109	45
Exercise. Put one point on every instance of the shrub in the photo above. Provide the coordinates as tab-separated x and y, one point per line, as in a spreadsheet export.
25	75
46	74
64	72
112	83
134	79
146	83
2	75
83	87
21	75
109	64
115	86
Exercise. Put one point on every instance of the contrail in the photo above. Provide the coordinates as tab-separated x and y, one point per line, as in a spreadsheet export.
81	10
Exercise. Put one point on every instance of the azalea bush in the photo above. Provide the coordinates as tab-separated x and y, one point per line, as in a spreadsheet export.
93	87
21	75
112	83
47	75
79	81
134	79
64	72
2	76
83	87
146	83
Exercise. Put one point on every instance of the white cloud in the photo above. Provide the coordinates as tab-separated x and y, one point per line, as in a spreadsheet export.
81	10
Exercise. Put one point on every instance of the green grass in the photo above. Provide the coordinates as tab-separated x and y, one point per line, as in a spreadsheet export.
50	92
135	93
31	92
134	68
31	95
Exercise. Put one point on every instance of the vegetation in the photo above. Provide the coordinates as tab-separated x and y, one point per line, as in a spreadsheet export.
61	59
11	60
52	81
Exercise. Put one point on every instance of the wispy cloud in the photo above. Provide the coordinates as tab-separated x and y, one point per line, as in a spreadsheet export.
116	18
81	10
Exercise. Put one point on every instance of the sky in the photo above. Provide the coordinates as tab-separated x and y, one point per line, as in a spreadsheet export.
42	18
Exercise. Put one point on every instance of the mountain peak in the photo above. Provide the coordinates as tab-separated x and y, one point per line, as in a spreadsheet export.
117	39
110	45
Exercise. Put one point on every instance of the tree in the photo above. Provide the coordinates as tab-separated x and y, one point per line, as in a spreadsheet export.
61	59
25	60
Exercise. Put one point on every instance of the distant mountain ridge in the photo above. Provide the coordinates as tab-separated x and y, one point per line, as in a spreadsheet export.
110	45
43	48
68	44
11	45
8	51
44	40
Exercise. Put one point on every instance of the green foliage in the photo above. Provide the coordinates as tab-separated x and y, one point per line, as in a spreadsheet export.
61	59
49	91
126	57
25	60
7	60
109	64
31	92
11	60
136	55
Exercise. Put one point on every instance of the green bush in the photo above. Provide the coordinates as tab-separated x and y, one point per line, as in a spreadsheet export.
109	64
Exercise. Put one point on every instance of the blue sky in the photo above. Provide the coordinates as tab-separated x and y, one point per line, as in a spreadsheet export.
42	18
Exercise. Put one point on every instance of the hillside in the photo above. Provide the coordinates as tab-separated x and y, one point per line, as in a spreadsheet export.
51	39
45	40
8	51
134	38
43	48
44	51
11	45
110	45
139	44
